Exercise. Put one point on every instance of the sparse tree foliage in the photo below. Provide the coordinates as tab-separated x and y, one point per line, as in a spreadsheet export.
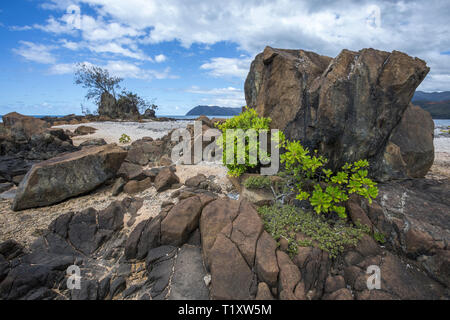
97	80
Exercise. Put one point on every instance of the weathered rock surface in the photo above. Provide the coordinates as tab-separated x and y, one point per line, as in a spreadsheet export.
414	216
117	109
165	179
181	221
348	107
147	150
25	141
84	130
67	176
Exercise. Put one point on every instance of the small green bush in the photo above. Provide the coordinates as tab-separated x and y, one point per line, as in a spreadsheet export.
248	119
124	138
325	190
328	235
257	182
379	237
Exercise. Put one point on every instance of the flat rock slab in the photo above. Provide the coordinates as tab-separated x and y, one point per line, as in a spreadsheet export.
67	176
188	282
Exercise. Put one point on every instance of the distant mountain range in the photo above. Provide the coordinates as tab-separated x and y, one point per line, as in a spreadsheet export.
436	103
213	111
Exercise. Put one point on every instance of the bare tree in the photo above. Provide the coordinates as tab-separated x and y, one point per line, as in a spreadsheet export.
97	80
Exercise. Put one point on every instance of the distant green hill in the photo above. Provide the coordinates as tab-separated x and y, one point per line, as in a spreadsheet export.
431	96
437	109
213	111
436	103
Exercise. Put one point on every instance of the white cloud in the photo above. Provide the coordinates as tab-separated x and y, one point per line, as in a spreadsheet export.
36	52
117	68
225	97
227	67
416	27
62	68
160	58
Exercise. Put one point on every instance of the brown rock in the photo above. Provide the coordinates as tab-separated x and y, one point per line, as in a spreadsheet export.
414	136
131	171
247	228
334	283
266	260
341	294
215	216
118	187
134	186
69	175
195	181
356	213
23	126
231	277
290	275
263	292
312	98
165	179
181	220
84	130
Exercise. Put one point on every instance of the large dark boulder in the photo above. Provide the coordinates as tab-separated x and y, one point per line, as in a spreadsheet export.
347	108
67	176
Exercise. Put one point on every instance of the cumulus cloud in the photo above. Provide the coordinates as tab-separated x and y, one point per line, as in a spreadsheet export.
227	97
117	68
419	28
36	52
160	58
227	67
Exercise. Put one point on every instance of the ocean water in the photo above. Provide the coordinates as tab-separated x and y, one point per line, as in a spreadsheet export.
178	117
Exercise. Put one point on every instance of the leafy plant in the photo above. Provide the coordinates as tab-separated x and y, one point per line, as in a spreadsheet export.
379	237
325	190
284	221
241	161
124	138
257	182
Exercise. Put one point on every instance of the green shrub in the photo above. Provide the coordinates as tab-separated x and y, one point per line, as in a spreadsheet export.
124	138
325	190
248	119
257	182
379	237
328	235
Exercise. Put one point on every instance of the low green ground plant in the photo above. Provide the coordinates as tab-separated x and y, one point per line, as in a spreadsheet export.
124	138
285	221
257	182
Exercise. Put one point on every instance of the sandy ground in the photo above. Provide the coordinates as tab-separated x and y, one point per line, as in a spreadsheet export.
27	225
112	131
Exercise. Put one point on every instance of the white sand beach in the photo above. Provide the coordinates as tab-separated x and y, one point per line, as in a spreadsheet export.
112	131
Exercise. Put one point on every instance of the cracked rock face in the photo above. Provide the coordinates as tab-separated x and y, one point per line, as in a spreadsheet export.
69	175
355	106
203	247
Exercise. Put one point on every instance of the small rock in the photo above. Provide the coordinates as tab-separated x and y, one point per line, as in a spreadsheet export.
118	187
133	186
165	179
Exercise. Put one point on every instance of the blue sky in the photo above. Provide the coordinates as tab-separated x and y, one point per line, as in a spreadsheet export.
185	53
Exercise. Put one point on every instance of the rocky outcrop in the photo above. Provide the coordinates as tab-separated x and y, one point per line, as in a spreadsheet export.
25	141
117	109
348	108
414	137
70	175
